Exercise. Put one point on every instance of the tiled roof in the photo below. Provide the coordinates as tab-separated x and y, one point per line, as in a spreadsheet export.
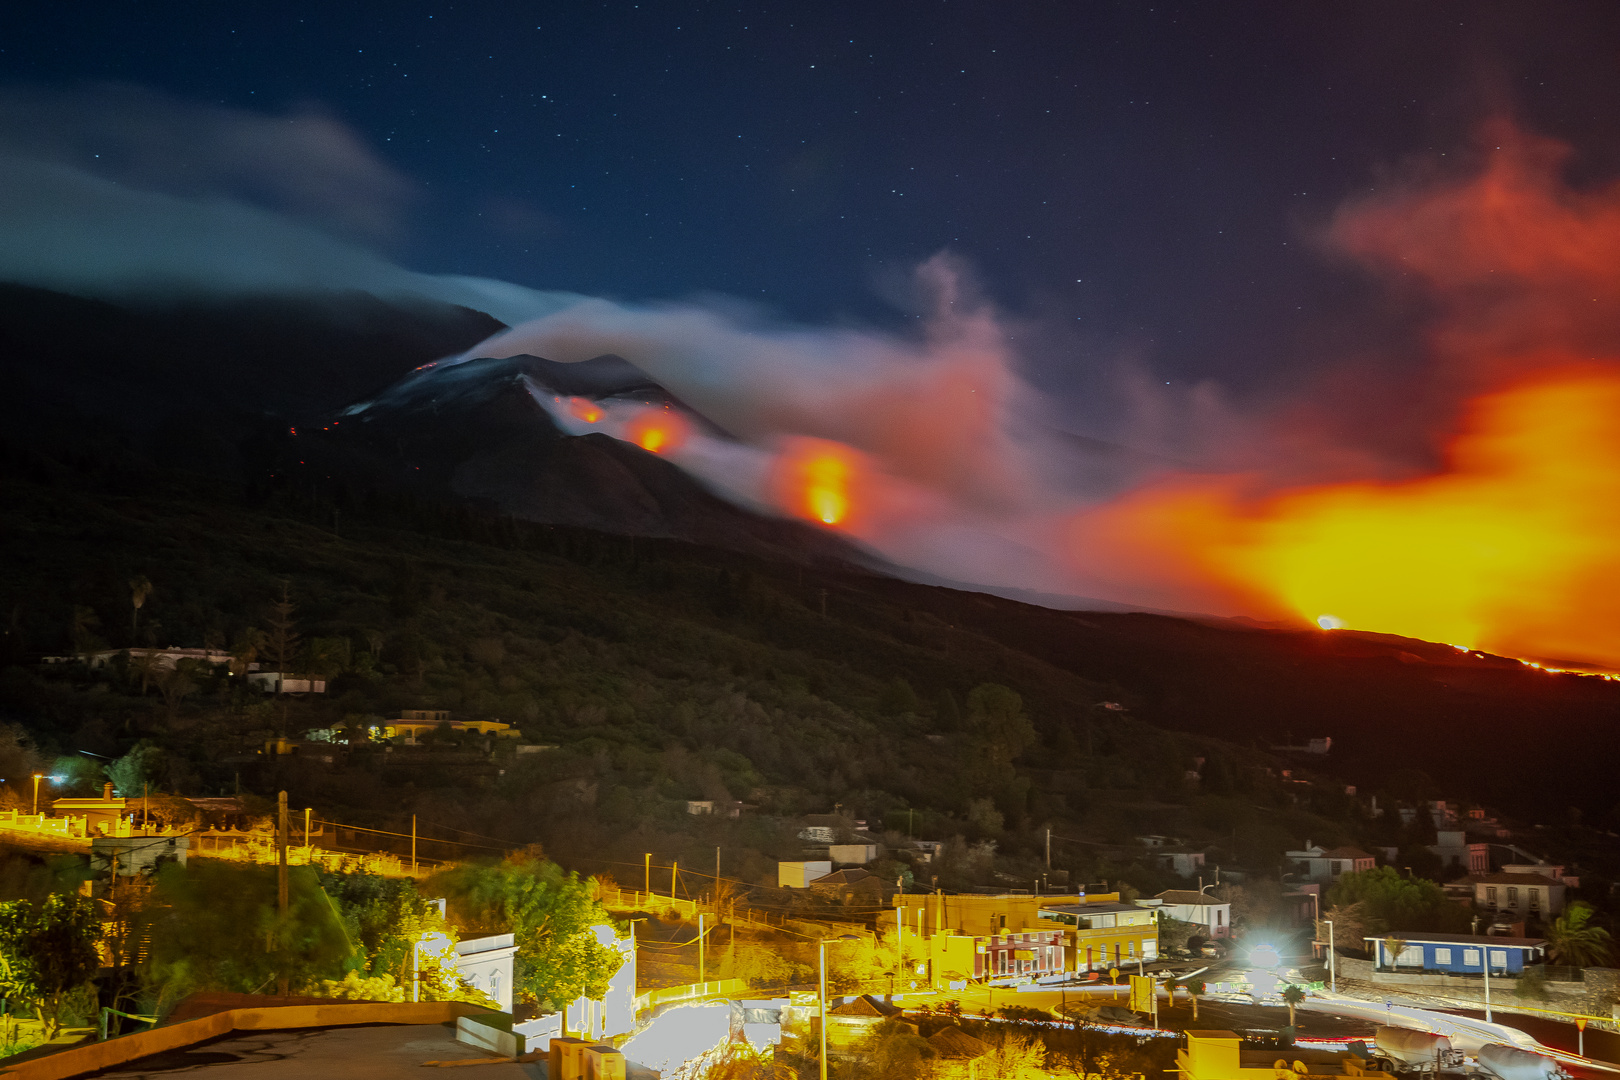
1509	879
953	1042
865	1005
1346	853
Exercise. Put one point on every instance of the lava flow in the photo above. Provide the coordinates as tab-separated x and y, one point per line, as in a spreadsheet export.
815	479
658	431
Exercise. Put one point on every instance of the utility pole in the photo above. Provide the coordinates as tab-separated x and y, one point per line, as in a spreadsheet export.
702	956
648	889
281	870
717	872
309	851
674	876
1049	850
413	844
1486	951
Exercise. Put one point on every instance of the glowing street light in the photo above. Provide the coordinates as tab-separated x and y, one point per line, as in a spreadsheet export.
37	778
822	950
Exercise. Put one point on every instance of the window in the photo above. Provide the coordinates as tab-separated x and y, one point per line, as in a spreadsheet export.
1470	958
1442	957
1490	895
1220	916
1498	959
1513	896
1535	899
1336	868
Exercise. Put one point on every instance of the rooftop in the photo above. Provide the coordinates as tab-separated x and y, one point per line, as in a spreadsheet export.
1508	879
1187	896
1419	938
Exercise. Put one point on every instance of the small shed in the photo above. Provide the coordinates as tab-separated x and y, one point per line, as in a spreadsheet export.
957	1053
1458	954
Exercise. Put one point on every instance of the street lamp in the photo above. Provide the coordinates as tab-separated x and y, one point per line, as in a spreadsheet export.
1333	960
37	778
822	951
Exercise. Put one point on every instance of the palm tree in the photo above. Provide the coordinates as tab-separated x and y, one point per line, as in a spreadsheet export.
1575	941
1195	990
1292	995
1393	947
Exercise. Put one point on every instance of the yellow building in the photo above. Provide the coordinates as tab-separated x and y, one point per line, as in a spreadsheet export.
1221	1055
1020	937
413	724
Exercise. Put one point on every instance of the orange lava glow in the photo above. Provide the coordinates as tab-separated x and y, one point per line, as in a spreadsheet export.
1511	547
585	409
658	430
817	479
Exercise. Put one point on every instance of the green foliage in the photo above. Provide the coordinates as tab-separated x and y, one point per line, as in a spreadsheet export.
139	771
1531	986
1574	940
217	927
1390	902
356	987
384	917
48	952
551	915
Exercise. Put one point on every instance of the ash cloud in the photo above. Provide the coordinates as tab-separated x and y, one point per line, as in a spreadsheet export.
119	192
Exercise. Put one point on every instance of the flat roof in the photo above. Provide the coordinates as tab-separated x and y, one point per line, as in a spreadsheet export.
1090	909
1464	939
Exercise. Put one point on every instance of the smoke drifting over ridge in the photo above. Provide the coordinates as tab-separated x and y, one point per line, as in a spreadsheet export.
1475	512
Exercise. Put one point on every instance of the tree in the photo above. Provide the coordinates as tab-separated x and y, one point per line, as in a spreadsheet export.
139	590
1195	990
1292	995
1393	947
150	666
282	643
48	953
138	771
1390	902
180	681
551	914
1573	940
216	927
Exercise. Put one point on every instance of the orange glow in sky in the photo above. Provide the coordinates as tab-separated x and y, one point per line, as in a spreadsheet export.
1510	547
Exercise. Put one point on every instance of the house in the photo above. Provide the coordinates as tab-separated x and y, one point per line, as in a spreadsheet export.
102	816
1545	869
1213	915
958	1055
854	886
1107	933
829	828
857	854
1316	863
849	1025
1018	936
1457	954
1517	895
798	875
486	964
163	658
413	724
274	682
1455	852
1183	862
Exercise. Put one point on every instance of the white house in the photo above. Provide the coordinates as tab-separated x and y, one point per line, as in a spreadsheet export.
798	875
1456	853
1316	863
486	964
1214	915
1522	896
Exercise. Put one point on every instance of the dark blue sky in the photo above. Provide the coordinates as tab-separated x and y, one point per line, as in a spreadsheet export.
1146	174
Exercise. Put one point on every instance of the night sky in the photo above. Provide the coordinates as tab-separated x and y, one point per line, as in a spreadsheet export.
1143	178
